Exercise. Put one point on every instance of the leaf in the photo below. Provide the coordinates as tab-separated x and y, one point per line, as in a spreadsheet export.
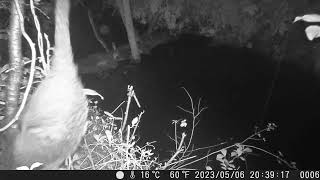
247	150
183	123
134	121
96	137
242	158
22	168
209	168
239	151
75	157
91	92
35	165
224	152
220	157
308	18
312	32
4	68
233	153
108	114
232	166
109	135
280	153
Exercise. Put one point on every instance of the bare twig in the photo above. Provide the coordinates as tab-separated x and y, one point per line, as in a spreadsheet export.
130	94
96	34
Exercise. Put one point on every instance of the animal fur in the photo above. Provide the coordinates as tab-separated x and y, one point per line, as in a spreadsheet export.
54	120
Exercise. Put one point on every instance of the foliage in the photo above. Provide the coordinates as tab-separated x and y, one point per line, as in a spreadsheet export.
235	20
106	147
312	31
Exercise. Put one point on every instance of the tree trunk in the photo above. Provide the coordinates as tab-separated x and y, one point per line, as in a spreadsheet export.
16	63
125	12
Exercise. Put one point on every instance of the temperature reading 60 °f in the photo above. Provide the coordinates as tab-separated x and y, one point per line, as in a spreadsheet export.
150	174
179	174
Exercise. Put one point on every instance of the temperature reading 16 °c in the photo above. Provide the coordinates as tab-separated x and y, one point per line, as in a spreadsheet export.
150	174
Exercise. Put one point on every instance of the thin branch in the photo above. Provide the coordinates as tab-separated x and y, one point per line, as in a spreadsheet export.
96	34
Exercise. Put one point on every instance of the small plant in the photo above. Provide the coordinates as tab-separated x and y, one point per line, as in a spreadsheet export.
228	156
110	144
185	153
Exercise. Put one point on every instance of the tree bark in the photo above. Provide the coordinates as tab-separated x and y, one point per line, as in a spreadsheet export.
16	63
125	12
